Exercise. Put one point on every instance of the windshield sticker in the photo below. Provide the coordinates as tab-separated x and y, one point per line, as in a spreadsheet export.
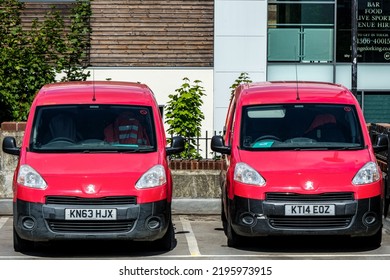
125	145
263	144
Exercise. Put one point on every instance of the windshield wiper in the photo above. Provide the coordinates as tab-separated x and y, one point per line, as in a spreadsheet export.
312	148
138	150
98	151
349	148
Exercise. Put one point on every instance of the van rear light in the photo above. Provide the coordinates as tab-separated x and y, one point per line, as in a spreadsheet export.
245	174
28	177
369	173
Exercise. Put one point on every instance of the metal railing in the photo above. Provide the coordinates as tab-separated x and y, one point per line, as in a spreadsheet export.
202	144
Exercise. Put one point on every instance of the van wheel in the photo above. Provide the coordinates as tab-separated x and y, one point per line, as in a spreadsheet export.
374	240
233	239
168	241
20	244
223	219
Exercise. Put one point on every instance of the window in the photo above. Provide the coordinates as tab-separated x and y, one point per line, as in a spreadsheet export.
300	31
300	126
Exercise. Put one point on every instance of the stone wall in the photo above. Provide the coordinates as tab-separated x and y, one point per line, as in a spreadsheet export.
8	162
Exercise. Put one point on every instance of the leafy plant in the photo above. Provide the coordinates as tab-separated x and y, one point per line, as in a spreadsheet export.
31	58
78	43
243	78
184	115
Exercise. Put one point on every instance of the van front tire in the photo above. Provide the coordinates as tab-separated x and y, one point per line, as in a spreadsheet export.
168	241
375	240
20	244
233	239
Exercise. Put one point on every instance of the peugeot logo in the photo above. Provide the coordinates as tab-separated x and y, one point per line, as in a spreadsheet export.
309	186
90	189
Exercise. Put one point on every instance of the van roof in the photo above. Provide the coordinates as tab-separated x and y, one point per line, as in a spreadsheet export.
104	92
294	92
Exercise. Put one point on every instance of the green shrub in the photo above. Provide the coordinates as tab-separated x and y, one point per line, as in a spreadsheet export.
243	78
184	115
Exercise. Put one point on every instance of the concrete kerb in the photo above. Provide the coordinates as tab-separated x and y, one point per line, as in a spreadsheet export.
196	206
5	207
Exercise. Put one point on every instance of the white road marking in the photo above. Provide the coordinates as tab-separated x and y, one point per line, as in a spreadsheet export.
190	236
3	220
283	256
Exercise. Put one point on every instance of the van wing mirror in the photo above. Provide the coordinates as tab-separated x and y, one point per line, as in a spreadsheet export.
9	146
218	145
177	145
381	143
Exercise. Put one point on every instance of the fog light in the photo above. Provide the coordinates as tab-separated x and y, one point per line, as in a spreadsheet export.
248	219
153	223
28	223
369	218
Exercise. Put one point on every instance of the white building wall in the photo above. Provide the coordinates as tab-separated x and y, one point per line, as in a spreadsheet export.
240	45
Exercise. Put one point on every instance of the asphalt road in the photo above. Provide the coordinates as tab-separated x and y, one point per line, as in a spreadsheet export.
201	237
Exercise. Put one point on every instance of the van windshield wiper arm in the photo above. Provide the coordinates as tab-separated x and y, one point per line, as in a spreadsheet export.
312	148
349	148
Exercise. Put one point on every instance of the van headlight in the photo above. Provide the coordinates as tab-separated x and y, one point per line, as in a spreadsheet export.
154	177
28	177
369	173
245	174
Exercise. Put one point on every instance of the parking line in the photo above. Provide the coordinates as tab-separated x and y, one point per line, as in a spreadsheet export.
190	236
3	220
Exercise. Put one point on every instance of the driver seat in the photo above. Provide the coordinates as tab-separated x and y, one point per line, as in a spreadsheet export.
63	125
324	128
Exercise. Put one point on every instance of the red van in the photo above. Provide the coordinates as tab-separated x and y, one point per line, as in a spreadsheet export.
93	165
299	162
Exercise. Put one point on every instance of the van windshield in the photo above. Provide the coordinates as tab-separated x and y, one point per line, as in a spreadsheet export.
93	128
300	127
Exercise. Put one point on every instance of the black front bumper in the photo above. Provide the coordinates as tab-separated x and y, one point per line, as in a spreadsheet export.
250	217
44	222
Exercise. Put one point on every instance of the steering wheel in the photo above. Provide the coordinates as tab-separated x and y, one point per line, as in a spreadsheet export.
64	139
271	137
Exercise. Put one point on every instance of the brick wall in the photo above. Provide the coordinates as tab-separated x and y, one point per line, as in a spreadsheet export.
13	126
202	164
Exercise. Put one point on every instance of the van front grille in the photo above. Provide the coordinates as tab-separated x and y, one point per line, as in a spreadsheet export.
283	222
60	226
338	196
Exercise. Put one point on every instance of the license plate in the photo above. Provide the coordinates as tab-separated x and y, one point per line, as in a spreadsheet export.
90	214
309	210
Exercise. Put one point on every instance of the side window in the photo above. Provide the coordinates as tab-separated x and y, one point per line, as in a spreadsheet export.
229	122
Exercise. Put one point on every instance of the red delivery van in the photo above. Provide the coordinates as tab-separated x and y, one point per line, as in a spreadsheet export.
93	165
299	162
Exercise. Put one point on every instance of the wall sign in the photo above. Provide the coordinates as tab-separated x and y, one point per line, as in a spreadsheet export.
373	36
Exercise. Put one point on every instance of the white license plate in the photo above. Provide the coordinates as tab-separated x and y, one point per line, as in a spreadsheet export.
90	214
309	210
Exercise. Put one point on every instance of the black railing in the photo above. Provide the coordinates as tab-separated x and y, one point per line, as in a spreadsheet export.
376	130
202	145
